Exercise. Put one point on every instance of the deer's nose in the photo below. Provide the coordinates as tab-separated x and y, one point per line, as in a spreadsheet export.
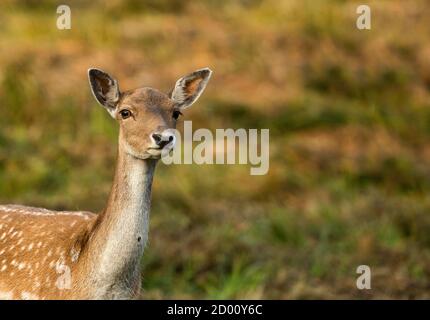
162	140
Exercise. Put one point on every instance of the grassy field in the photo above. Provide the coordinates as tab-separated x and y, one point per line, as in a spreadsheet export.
349	119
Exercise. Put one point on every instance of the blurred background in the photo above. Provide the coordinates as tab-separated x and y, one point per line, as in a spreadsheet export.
349	119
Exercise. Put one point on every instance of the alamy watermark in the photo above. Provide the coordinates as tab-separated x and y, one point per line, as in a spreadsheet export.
365	278
64	20
226	146
364	21
64	280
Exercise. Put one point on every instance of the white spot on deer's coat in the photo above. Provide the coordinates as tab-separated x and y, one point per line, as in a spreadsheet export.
28	296
6	295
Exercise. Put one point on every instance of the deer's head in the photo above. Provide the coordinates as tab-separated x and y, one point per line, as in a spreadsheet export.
147	116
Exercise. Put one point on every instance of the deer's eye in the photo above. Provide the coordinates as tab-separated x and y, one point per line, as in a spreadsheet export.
176	114
125	113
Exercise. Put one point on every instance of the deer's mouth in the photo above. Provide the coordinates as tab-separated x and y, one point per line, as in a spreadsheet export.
161	151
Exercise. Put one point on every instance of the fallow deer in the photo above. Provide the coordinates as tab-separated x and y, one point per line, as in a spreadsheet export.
47	254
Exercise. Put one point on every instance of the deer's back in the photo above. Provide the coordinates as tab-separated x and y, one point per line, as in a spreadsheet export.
39	251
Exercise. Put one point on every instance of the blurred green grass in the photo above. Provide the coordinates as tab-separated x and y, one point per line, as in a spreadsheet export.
348	113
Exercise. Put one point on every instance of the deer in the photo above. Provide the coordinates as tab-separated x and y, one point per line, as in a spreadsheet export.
48	255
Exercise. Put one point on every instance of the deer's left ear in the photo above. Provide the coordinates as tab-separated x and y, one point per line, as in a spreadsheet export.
189	88
105	89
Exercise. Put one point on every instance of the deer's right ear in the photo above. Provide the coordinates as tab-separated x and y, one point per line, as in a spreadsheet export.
105	89
189	88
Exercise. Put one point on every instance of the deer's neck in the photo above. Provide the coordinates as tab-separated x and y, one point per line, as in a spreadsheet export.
121	231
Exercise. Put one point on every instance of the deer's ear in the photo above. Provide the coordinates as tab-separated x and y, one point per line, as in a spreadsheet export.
105	89
189	88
